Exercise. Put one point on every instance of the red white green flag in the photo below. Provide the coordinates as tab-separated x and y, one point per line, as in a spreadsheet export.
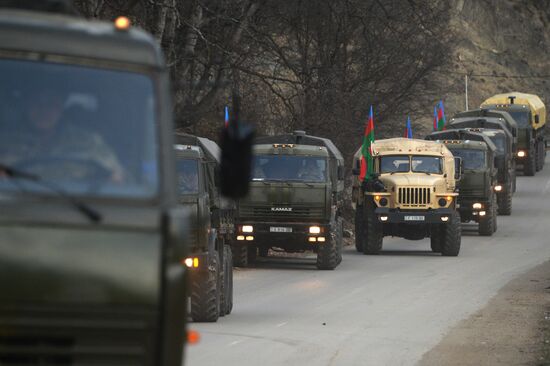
367	167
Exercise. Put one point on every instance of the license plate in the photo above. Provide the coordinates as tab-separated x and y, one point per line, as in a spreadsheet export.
414	218
278	229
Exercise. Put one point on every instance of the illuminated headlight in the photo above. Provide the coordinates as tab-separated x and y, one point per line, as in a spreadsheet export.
247	228
521	154
498	188
192	262
444	218
481	213
477	206
383	218
314	230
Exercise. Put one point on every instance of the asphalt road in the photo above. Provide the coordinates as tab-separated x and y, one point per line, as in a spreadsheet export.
374	310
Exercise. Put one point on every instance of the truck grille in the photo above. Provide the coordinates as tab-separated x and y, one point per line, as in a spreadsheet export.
296	213
414	196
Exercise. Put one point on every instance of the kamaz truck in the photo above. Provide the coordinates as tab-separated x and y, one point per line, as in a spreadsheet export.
505	158
529	112
477	189
411	194
209	261
295	200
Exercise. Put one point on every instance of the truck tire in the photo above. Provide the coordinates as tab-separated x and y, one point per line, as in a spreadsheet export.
505	202
542	150
538	156
487	225
226	294
435	238
529	165
373	237
327	256
359	230
240	255
205	293
451	234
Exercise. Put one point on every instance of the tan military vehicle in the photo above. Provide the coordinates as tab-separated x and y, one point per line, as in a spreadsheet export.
413	196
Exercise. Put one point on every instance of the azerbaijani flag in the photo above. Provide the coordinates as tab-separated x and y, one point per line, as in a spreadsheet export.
435	118
366	152
441	122
226	116
408	129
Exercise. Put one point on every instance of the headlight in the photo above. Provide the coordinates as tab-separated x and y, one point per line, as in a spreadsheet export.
498	188
383	201
477	206
314	230
247	228
191	262
521	154
442	202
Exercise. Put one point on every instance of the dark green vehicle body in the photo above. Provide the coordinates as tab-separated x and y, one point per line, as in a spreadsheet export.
98	281
211	278
506	154
281	208
477	197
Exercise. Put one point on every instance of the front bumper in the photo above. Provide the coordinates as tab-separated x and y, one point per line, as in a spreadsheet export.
396	216
281	233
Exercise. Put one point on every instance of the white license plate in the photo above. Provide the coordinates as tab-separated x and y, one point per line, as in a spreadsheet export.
414	218
278	229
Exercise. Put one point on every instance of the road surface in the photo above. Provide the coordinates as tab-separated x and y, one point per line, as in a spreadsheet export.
374	310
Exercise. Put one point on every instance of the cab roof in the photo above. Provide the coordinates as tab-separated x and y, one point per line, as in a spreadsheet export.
532	100
64	35
463	134
290	149
210	148
402	145
301	138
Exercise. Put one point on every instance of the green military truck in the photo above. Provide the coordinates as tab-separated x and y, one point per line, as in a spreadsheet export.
505	157
529	112
91	236
477	199
412	196
295	200
210	260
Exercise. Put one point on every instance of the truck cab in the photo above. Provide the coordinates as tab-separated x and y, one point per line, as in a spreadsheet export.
91	236
415	196
209	260
477	189
294	202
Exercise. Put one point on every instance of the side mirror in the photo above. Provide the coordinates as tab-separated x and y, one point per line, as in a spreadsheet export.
340	172
236	157
459	168
357	168
355	171
537	119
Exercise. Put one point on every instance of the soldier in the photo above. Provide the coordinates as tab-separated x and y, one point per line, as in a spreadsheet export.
44	139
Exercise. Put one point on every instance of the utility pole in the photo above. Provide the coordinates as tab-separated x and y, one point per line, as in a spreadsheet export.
466	89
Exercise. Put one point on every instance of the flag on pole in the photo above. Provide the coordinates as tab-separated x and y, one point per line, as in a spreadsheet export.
441	121
366	151
408	129
226	116
435	118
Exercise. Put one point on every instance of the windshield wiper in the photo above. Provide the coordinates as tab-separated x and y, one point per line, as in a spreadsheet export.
88	211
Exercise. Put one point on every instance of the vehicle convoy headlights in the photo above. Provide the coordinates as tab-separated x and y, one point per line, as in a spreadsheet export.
477	206
521	154
191	262
498	188
247	229
314	230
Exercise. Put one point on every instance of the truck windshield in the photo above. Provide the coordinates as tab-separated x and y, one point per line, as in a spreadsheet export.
472	159
426	164
521	118
395	164
289	168
500	143
188	176
89	131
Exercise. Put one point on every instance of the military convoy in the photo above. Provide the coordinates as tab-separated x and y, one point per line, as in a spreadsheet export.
209	261
295	200
415	196
529	112
478	187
